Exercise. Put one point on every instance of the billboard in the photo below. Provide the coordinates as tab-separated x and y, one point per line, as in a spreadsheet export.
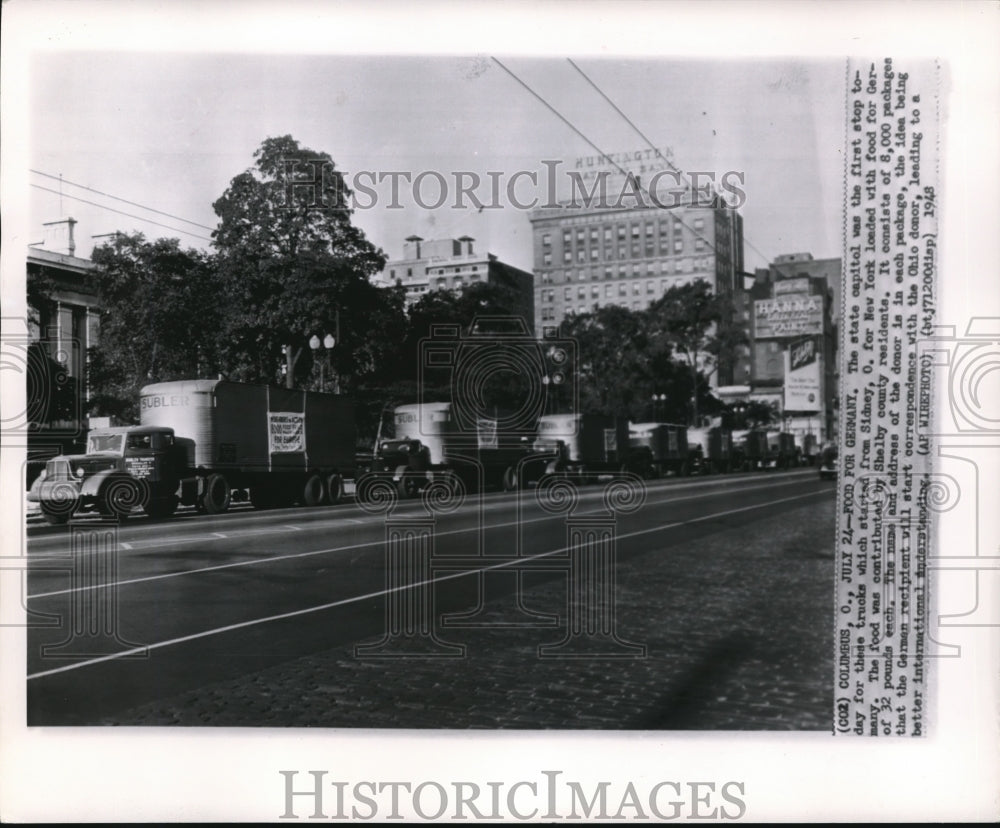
803	376
788	317
785	286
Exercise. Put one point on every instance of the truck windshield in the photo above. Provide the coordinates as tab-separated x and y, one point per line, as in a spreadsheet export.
105	443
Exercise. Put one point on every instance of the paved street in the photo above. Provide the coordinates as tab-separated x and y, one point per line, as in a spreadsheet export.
252	618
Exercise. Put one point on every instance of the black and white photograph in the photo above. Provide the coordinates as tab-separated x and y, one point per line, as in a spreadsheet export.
429	413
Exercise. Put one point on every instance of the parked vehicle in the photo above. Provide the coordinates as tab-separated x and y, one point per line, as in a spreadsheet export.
781	451
667	445
206	443
829	461
585	446
710	450
430	443
750	449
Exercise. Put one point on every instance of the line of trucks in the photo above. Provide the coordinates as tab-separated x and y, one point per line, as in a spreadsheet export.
210	443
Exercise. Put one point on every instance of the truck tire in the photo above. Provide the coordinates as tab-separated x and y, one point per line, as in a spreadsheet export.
334	489
59	517
408	486
161	507
313	492
215	498
116	499
511	479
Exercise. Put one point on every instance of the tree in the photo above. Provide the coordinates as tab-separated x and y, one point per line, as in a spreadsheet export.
292	265
698	324
621	363
159	319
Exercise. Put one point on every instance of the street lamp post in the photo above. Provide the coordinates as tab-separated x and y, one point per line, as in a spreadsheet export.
657	399
327	344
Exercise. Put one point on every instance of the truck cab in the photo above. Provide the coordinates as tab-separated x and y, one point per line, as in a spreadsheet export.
121	469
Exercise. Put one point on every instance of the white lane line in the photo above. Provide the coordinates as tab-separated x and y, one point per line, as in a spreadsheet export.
125	545
357	598
220	535
293	528
379	542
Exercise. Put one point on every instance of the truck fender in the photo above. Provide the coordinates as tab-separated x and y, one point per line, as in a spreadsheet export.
59	491
92	485
399	472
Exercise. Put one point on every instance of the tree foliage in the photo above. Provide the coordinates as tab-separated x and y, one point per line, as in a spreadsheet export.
292	265
159	318
622	363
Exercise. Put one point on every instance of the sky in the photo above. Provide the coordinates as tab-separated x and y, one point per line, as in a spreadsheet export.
169	130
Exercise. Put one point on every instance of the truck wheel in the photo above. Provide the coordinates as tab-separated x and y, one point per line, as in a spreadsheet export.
59	517
161	507
215	498
117	498
313	492
334	489
511	479
408	486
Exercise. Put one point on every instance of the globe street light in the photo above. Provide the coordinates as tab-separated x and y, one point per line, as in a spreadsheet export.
657	399
327	345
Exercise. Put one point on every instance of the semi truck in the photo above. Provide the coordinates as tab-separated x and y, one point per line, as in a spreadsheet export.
207	443
585	446
667	444
710	450
430	441
782	452
750	449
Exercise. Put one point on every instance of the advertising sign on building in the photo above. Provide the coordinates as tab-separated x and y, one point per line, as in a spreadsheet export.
788	317
803	377
785	286
286	432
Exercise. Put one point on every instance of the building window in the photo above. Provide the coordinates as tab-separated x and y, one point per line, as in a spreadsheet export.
608	273
581	255
547	259
582	275
649	229
609	291
392	274
441	284
622	289
593	254
621	253
593	234
607	234
595	292
650	287
409	271
699	224
567	256
581	293
699	244
635	288
621	232
547	240
635	231
678	246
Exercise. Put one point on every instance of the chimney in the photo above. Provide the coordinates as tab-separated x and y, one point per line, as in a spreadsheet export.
415	242
58	236
467	242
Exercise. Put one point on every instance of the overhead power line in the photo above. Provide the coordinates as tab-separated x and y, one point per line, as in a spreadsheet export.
120	212
642	135
123	200
601	152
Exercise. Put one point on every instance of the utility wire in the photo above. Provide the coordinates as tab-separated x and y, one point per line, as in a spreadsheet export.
601	152
130	215
123	200
642	135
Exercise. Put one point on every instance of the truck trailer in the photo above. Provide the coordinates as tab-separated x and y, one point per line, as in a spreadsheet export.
710	450
667	444
585	446
431	442
206	443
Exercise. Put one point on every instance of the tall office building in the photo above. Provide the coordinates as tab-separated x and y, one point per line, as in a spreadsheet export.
630	255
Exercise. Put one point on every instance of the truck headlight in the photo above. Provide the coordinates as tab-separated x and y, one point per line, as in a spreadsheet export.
78	471
44	473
